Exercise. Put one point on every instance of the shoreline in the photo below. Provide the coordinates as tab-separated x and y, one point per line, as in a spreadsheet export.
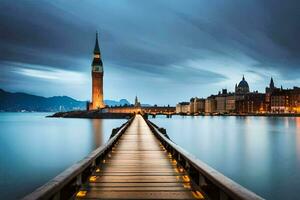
91	115
100	115
97	114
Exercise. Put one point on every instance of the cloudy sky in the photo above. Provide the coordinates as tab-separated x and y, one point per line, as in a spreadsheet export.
163	51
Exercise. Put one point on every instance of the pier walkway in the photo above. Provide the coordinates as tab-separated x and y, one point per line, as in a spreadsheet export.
140	162
138	167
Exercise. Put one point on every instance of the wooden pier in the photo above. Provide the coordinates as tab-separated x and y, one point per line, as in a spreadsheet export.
138	168
140	162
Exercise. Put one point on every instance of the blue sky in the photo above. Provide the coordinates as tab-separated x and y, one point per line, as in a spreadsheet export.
163	52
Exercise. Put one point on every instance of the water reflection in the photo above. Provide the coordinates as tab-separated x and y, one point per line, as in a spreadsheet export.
260	153
97	128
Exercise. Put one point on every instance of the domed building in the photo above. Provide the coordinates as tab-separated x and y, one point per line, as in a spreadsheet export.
242	87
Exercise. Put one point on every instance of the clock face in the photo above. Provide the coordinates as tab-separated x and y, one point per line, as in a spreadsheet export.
98	68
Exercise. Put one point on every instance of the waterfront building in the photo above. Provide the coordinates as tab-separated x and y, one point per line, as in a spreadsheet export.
210	105
241	89
230	103
285	100
280	102
252	102
199	105
225	102
192	106
97	79
183	108
221	102
269	91
295	100
274	100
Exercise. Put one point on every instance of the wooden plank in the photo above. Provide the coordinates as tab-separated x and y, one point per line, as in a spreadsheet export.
120	184
144	172
106	178
135	188
138	195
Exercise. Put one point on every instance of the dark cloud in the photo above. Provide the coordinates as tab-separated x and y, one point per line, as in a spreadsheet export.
155	40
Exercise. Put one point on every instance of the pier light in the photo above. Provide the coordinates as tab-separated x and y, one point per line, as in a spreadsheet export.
98	170
198	195
186	178
81	193
93	178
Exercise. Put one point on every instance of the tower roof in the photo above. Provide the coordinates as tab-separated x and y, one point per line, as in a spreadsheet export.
272	83
242	87
97	61
243	83
97	49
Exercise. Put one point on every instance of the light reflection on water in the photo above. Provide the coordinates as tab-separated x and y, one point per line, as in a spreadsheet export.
34	149
260	153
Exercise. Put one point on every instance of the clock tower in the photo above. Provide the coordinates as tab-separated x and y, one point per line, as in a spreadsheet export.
97	79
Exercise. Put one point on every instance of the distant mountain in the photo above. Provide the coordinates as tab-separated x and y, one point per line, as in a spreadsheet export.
16	102
116	103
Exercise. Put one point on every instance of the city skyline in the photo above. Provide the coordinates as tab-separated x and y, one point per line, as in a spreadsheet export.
182	50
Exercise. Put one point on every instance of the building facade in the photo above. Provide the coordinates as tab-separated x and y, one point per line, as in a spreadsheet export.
274	100
196	106
183	108
225	102
199	105
295	100
269	90
253	102
210	105
285	100
230	103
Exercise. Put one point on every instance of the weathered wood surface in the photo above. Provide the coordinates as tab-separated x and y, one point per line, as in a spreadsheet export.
138	167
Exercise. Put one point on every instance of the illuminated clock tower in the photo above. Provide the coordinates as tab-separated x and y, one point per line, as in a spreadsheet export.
97	79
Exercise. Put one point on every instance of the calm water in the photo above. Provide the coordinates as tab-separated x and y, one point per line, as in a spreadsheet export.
34	149
262	154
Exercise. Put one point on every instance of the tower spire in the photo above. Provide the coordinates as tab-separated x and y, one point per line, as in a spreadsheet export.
97	61
272	83
96	49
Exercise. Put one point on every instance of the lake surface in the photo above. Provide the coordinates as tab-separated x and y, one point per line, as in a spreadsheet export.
260	153
34	149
